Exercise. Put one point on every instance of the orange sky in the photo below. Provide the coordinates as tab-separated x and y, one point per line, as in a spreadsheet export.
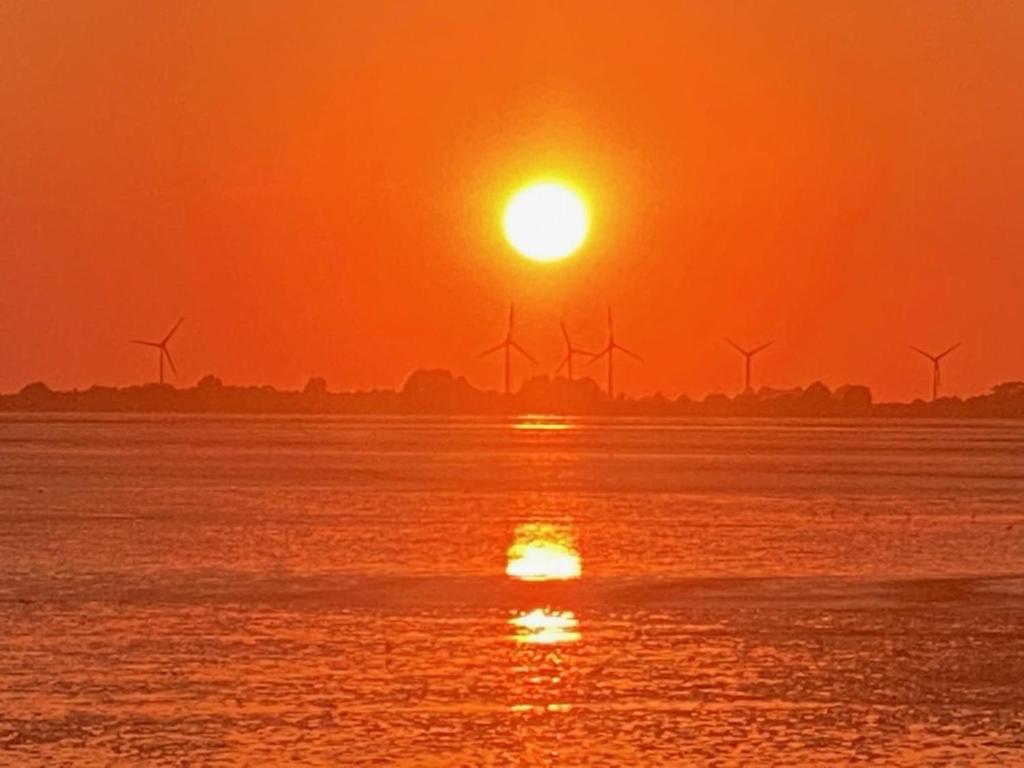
318	188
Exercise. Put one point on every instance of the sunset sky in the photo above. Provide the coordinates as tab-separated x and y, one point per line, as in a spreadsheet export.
318	189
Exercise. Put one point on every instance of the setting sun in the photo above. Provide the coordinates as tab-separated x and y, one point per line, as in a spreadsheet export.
546	221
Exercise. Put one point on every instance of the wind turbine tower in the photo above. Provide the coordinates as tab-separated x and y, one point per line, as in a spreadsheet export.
748	355
936	367
162	346
609	350
570	352
508	345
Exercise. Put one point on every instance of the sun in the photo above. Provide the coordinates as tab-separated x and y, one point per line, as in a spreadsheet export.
546	221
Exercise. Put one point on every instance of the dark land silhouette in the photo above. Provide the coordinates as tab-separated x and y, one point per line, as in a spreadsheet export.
441	392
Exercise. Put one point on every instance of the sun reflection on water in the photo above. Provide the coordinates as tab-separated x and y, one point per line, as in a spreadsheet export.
545	627
543	552
541	423
544	555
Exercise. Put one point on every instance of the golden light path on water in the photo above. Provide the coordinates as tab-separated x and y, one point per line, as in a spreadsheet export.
544	552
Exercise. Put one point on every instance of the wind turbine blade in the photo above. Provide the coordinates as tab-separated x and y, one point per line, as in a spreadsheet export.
493	349
175	328
144	343
758	349
561	367
736	346
565	335
575	351
165	353
634	355
511	317
609	322
598	356
922	352
939	357
522	352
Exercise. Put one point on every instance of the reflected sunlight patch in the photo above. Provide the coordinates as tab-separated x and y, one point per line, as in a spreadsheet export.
531	422
546	627
543	552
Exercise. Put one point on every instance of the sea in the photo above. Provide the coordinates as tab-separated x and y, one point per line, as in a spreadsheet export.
510	591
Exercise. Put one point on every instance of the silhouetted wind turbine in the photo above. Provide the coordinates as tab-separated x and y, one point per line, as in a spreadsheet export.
748	354
570	352
609	350
508	345
936	368
162	346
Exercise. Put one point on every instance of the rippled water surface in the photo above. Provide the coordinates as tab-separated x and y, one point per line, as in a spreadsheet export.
535	591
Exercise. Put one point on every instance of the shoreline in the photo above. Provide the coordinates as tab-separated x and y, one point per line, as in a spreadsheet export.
440	393
539	416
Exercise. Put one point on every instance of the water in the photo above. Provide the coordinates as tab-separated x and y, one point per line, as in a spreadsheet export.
337	591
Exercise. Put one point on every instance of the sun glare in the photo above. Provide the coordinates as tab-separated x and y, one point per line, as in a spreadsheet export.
546	221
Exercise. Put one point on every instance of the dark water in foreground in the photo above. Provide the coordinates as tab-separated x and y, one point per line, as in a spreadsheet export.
244	591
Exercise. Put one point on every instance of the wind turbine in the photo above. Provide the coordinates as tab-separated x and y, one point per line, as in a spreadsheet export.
936	369
162	346
749	355
609	350
570	351
508	345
